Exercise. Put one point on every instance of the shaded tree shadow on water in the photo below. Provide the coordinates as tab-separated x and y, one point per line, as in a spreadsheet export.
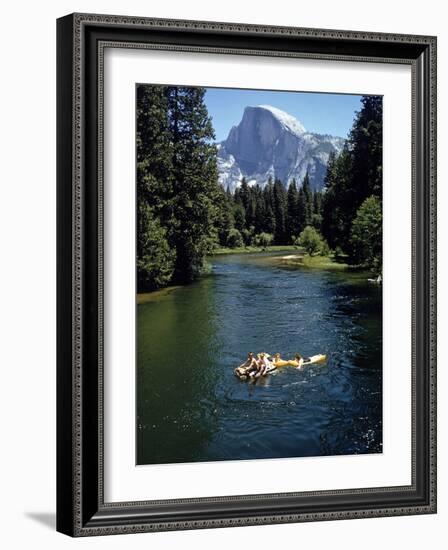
176	410
47	519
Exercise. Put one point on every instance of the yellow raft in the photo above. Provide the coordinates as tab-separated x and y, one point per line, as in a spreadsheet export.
243	374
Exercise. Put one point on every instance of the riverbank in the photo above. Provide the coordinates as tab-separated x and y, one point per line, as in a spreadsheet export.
254	249
298	257
314	262
155	295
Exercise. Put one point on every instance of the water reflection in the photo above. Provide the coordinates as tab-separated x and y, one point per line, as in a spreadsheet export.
176	376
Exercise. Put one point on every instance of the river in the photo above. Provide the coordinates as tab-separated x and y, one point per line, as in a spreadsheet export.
191	407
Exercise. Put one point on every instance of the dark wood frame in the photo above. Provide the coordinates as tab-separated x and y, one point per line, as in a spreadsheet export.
81	39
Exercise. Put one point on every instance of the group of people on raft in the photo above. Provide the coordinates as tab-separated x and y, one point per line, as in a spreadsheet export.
262	363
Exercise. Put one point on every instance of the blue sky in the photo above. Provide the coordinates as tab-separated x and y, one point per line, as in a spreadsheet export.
320	113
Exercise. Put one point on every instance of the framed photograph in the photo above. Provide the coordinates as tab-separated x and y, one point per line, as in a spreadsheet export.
246	274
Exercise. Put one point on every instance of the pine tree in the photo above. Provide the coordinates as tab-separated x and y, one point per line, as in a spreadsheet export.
353	176
251	210
301	211
316	220
178	195
308	199
155	257
366	138
244	193
154	189
224	221
154	151
237	197
293	221
338	196
366	234
195	192
280	212
239	216
270	222
260	210
317	202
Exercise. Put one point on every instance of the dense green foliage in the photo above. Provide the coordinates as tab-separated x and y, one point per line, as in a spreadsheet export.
155	257
353	177
311	240
366	234
177	185
234	239
263	240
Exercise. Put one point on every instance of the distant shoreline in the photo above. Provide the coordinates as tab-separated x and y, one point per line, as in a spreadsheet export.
314	262
254	249
299	258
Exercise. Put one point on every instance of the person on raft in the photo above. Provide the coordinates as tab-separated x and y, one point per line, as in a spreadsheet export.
297	361
258	366
262	364
248	365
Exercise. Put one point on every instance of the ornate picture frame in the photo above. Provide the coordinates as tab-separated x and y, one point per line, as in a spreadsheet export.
81	507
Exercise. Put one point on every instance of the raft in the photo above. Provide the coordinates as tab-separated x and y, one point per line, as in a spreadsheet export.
282	363
242	374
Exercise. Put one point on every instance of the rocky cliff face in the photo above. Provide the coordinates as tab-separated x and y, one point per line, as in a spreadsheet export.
271	143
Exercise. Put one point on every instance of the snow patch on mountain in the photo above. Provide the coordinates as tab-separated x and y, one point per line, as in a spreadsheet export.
288	121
